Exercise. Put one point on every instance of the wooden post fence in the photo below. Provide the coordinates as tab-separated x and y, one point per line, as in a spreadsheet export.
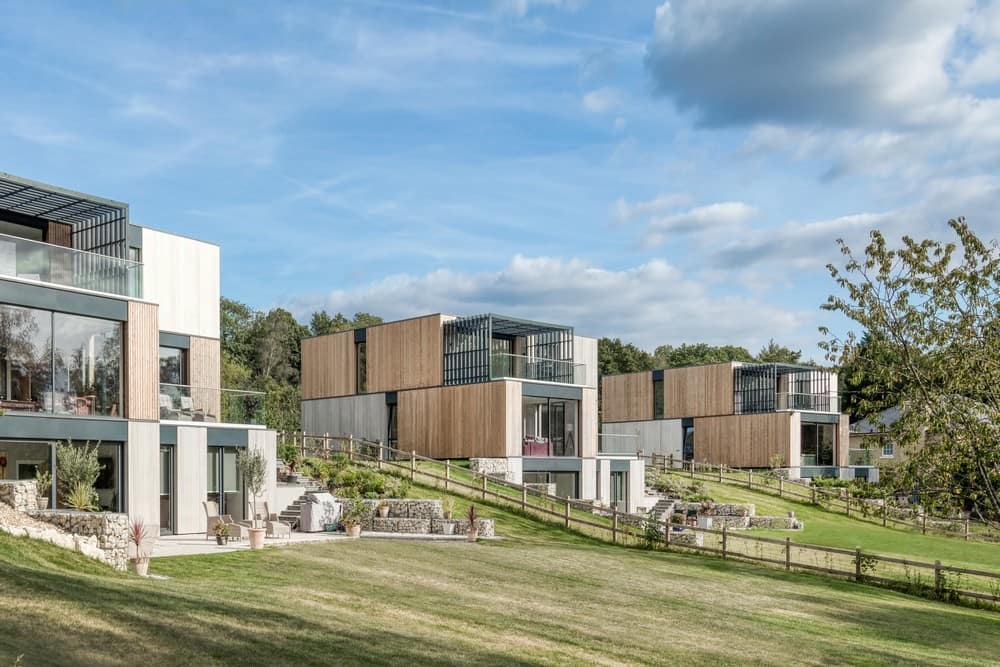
380	455
524	497
447	473
567	512
847	501
484	486
857	564
614	526
923	526
666	534
724	535
413	464
350	447
938	578
788	554
966	530
750	480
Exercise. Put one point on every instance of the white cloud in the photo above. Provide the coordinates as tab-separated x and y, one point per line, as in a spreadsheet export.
602	100
623	211
522	7
649	304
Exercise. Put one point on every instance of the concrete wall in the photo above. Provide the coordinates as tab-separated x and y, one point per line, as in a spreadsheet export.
182	275
142	462
660	436
585	352
588	479
636	483
364	416
191	479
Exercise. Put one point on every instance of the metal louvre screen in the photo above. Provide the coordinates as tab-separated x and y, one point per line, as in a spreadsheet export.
771	387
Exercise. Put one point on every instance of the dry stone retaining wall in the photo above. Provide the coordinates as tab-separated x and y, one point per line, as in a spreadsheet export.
22	495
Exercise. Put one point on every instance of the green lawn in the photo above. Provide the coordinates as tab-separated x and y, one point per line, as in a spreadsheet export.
829	528
539	596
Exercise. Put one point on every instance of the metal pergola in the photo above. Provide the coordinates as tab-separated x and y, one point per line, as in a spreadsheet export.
470	344
99	225
756	388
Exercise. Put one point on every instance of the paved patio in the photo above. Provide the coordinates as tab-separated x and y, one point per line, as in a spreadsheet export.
195	544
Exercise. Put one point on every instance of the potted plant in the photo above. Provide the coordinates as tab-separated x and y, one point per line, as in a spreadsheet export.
221	534
290	455
137	535
472	532
448	507
383	509
253	467
43	484
354	513
677	522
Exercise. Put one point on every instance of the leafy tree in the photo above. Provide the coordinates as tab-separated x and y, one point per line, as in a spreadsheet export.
237	323
278	339
778	354
614	356
932	311
668	356
861	393
321	323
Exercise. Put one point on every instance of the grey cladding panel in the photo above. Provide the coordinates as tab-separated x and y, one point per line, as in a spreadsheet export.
659	436
364	416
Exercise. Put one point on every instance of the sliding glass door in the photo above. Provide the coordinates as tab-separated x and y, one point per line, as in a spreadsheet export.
166	490
225	484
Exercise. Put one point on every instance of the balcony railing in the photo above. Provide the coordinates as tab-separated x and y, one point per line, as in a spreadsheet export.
503	365
180	402
807	402
67	267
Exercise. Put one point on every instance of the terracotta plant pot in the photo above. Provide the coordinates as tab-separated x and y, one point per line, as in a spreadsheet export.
140	566
354	531
471	535
257	538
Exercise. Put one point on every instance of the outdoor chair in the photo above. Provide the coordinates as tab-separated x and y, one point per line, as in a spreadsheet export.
236	530
275	526
167	407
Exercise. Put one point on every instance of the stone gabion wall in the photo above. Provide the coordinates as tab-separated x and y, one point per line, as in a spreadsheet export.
494	467
407	508
730	521
688	538
776	522
22	495
107	531
417	526
485	527
723	509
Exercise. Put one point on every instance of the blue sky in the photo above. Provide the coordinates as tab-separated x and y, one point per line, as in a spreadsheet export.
662	172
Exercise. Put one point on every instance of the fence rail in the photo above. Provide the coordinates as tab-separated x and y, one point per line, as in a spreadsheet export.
832	499
934	580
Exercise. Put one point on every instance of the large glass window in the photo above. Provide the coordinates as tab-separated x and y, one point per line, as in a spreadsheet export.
565	483
225	485
87	355
25	459
657	399
361	366
25	359
818	442
173	365
550	426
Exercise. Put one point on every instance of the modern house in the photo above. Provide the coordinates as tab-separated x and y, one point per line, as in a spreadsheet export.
743	415
517	397
109	334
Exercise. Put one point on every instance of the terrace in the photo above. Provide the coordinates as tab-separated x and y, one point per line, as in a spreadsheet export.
779	387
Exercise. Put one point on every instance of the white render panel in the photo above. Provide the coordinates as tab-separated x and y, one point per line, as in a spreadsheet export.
514	425
182	276
659	436
588	479
191	479
365	416
585	352
636	483
604	484
142	459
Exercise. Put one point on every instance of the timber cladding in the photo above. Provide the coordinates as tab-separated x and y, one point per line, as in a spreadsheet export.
142	361
627	397
743	441
406	354
697	391
204	370
328	366
454	422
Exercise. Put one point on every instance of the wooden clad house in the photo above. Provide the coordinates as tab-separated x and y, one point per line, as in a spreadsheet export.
744	415
518	397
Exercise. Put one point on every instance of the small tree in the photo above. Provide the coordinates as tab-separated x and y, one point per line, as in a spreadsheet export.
253	467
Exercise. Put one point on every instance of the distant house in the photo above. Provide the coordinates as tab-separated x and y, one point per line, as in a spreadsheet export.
872	444
744	415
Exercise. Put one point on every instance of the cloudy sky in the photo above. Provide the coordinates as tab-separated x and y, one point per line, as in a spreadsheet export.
662	172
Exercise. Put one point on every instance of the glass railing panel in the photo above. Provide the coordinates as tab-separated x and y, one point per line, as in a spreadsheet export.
202	404
807	402
533	368
861	457
67	267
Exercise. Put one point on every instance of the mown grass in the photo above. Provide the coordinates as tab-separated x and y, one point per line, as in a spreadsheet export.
540	596
829	528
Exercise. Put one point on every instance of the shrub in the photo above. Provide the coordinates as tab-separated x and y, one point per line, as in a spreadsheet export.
365	482
77	470
289	453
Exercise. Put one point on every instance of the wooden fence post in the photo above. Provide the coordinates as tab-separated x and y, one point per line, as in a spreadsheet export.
524	497
857	564
720	474
692	468
788	554
885	513
750	480
567	512
447	473
671	460
781	487
813	489
666	534
614	526
923	527
938	579
847	501
724	533
484	486
350	447
413	464
966	531
380	454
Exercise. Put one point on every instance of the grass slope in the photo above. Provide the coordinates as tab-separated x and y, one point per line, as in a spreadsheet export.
540	596
829	528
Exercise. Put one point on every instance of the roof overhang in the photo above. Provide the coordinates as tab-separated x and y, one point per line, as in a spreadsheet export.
48	202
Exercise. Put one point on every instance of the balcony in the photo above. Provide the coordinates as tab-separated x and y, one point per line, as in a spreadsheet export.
180	402
807	402
504	365
66	267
